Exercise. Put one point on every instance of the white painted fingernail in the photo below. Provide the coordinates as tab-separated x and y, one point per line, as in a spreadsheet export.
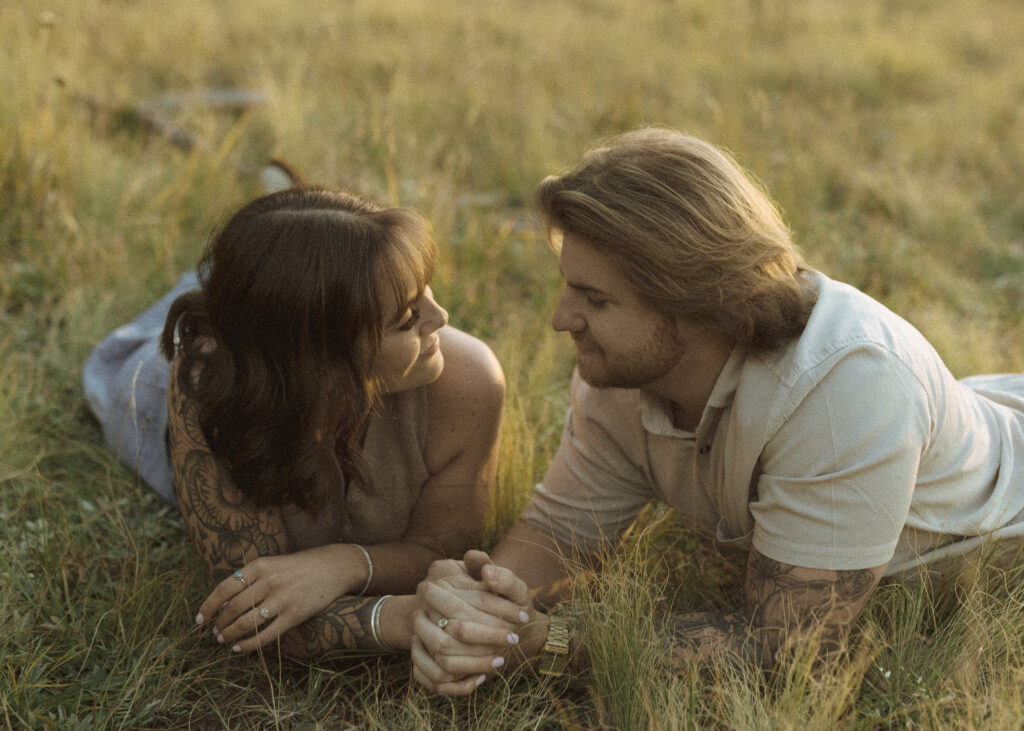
512	638
200	618
220	638
498	662
480	680
236	648
523	616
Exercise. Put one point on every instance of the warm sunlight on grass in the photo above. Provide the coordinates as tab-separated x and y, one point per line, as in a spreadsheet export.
890	131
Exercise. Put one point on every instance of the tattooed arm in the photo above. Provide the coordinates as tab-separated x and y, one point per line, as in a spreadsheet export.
229	534
225	531
306	596
782	603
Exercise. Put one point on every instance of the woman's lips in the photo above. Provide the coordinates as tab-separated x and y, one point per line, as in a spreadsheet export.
430	349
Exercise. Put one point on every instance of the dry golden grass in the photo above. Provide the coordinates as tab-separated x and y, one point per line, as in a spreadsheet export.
891	132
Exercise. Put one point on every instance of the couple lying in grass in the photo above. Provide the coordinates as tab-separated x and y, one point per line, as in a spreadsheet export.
331	440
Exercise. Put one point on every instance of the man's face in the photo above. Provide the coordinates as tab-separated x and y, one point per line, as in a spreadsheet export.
620	342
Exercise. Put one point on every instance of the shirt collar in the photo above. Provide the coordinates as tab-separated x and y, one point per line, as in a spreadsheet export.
656	413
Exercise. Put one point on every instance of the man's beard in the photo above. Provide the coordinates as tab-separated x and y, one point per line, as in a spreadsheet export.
644	364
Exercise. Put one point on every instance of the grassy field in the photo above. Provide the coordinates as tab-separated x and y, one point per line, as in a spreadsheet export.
890	131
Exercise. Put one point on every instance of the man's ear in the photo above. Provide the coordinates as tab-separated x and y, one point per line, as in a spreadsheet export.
684	328
689	330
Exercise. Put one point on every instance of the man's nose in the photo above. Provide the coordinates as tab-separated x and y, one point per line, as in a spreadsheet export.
567	317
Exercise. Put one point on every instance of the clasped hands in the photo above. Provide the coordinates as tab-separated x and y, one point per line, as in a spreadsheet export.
490	625
476	618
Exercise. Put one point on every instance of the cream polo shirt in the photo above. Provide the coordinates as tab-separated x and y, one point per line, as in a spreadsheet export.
851	447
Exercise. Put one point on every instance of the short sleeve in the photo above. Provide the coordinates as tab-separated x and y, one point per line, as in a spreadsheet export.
838	477
595	486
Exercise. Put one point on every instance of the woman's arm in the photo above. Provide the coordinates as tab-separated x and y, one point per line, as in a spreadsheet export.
311	591
304	593
463	423
225	530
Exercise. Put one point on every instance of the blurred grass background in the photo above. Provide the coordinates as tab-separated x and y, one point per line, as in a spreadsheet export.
890	131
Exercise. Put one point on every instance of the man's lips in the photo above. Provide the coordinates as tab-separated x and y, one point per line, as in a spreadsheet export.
584	344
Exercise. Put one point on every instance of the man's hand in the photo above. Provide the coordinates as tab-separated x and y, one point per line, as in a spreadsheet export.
483	619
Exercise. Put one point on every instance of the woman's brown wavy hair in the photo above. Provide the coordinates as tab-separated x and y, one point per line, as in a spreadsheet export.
694	235
295	288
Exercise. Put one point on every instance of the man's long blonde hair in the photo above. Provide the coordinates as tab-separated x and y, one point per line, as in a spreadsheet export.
689	230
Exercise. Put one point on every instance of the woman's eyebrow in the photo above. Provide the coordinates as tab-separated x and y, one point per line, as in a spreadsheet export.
403	308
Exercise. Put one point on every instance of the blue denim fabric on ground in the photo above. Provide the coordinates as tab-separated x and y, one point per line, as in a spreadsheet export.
125	380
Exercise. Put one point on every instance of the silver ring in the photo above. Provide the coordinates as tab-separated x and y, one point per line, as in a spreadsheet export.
238	575
264	612
443	622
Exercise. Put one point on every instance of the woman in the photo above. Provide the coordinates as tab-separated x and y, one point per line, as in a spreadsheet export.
330	435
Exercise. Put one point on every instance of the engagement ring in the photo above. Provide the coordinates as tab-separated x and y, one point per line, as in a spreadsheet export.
238	575
264	612
443	622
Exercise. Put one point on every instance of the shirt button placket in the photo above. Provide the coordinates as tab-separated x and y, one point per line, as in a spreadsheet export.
701	464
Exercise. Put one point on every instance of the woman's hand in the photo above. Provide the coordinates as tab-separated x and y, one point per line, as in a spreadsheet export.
483	620
273	594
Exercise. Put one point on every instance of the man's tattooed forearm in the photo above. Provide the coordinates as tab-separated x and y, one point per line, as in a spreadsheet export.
711	636
782	602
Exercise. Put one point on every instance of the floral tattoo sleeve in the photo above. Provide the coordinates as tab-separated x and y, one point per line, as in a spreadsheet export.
227	533
782	603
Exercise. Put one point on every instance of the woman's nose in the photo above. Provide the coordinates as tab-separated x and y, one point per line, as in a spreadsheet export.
437	316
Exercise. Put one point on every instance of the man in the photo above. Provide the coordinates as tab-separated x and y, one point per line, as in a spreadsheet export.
781	412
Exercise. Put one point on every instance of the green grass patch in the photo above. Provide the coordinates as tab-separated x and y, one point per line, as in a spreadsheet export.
890	132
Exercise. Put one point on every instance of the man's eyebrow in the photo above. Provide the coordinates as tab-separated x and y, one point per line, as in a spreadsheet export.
586	288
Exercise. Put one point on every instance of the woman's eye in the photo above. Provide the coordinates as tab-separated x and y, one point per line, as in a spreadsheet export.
596	302
410	323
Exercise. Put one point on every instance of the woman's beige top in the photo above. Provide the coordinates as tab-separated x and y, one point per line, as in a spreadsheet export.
393	454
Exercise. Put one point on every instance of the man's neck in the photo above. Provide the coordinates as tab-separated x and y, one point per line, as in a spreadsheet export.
689	385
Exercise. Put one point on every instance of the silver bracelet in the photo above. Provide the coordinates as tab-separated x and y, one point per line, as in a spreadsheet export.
378	637
369	576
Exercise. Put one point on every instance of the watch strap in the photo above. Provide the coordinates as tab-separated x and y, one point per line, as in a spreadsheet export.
554	657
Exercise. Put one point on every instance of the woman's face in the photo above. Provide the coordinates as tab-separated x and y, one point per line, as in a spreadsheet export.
410	350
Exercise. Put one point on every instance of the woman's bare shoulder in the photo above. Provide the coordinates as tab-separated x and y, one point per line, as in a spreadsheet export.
464	409
466	399
471	370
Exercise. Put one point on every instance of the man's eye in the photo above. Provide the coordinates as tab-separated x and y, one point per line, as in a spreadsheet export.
410	323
